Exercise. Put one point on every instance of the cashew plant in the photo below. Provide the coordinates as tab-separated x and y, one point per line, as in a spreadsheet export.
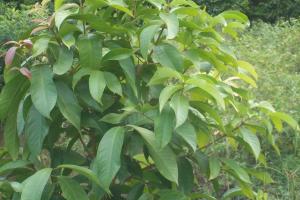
133	99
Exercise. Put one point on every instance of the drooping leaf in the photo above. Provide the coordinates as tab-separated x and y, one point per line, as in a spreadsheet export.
252	140
172	23
97	85
64	61
57	4
168	56
237	170
214	168
90	51
9	56
180	105
145	39
13	165
129	70
113	83
71	190
186	175
108	159
43	91
188	134
163	126
11	139
117	54
164	159
166	94
36	183
36	129
68	104
162	74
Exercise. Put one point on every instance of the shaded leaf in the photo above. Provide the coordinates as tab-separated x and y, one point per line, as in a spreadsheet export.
71	190
64	61
188	134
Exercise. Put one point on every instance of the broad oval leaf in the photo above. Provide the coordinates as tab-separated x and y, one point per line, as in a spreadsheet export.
68	104
117	54
40	46
188	133
64	61
43	91
166	94
172	23
164	158
108	159
146	37
164	126
34	185
168	56
36	129
113	83
97	85
71	190
90	51
252	140
162	74
214	168
180	105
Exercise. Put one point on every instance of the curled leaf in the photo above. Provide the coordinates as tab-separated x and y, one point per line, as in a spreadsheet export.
9	56
27	43
26	72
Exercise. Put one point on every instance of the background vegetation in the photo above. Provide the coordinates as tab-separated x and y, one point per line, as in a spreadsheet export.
271	46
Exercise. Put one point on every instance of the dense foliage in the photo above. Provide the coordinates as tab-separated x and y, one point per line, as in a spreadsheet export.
275	53
129	100
266	10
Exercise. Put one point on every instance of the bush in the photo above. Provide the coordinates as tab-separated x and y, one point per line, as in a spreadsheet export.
275	52
266	10
132	100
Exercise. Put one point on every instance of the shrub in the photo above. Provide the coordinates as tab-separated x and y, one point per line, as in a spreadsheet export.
130	100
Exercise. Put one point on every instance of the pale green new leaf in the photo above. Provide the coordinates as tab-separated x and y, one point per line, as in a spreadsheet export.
180	105
43	91
71	190
146	37
172	23
164	159
64	61
34	185
108	159
286	118
97	85
57	4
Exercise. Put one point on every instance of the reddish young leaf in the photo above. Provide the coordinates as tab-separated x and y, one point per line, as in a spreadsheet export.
9	56
27	43
26	72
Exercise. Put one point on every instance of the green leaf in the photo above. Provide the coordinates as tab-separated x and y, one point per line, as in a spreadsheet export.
164	158
129	70
117	54
79	75
172	23
83	171
172	195
12	165
58	4
64	61
146	196
166	94
62	14
163	127
209	88
120	5
252	140
285	117
34	185
97	85
68	104
188	134
162	74
229	194
36	129
90	51
40	46
113	83
180	105
71	190
146	37
108	159
214	168
186	175
43	91
237	170
168	56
